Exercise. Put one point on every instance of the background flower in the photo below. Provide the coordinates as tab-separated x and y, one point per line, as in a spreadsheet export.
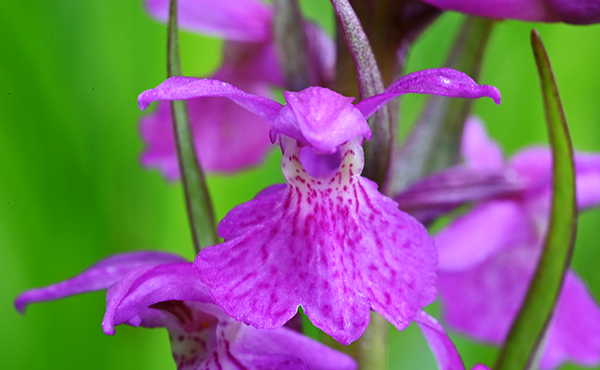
569	11
488	255
72	190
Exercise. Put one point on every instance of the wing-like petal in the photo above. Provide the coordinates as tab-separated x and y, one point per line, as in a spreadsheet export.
443	191
182	88
100	276
227	137
441	81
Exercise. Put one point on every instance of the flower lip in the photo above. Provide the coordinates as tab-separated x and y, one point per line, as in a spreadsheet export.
334	246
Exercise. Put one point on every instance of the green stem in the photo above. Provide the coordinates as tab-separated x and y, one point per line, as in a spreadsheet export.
372	345
378	150
197	198
528	330
290	42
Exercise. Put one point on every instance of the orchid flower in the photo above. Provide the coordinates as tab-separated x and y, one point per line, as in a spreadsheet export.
326	240
489	255
228	138
568	11
154	289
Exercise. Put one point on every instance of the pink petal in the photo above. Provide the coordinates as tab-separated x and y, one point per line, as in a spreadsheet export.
445	353
157	132
441	81
148	285
245	62
574	333
333	245
242	20
480	367
284	341
441	192
528	10
575	11
489	228
478	149
569	11
320	118
99	276
218	342
587	166
533	167
482	301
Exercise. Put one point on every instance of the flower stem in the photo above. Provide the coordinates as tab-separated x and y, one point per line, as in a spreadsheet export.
291	44
372	345
378	150
198	202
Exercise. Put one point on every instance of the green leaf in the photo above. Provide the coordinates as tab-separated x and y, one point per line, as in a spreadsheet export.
434	142
528	330
199	205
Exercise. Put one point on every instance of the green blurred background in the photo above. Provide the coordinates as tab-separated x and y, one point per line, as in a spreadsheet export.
72	190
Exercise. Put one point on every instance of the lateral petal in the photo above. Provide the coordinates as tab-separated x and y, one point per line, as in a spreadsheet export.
440	81
100	276
183	88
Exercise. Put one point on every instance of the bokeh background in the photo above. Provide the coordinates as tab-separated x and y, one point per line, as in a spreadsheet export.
72	190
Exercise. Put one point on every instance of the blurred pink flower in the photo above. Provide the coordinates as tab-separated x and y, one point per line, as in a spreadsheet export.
568	11
488	256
